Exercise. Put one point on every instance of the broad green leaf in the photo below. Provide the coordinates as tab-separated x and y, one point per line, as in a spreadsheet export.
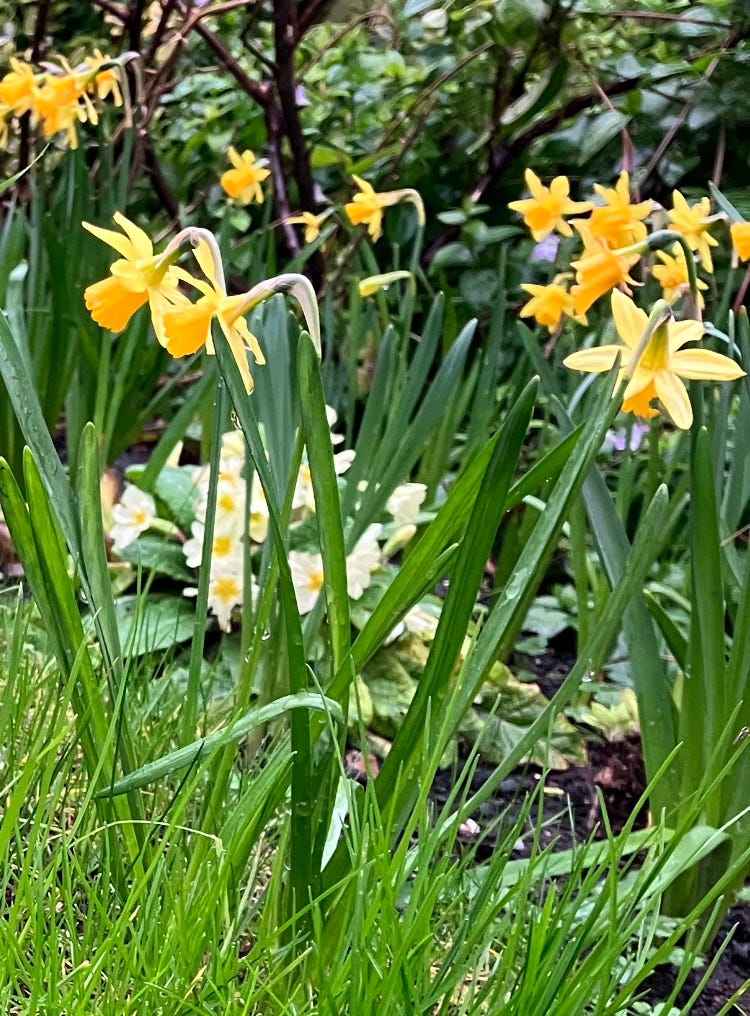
147	624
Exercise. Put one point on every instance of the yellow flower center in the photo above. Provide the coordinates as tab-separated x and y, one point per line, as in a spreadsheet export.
315	581
656	354
226	589
222	546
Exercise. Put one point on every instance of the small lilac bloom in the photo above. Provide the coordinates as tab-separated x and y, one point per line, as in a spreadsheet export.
617	440
546	249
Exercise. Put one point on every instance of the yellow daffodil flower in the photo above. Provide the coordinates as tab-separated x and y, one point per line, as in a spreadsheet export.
18	87
242	182
60	104
740	233
618	223
311	222
548	304
693	222
598	271
139	277
543	212
188	328
672	275
105	82
366	208
663	362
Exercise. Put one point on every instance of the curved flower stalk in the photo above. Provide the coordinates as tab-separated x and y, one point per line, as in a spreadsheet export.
366	207
654	361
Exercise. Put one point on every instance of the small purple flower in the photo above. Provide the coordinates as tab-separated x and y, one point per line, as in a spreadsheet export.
618	441
546	249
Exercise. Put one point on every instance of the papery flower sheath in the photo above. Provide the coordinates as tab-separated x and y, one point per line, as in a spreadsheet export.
662	364
545	211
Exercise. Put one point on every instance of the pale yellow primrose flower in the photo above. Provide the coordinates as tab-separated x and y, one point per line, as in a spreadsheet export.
133	515
307	578
405	502
366	207
658	372
362	561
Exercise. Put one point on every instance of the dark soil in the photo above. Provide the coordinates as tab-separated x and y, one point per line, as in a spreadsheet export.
572	812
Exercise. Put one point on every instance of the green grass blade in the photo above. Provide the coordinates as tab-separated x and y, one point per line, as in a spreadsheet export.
204	747
459	605
327	505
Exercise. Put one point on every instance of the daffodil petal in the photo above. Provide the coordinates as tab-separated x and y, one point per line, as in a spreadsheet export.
141	243
595	360
111	304
674	397
120	243
704	365
186	329
630	321
681	332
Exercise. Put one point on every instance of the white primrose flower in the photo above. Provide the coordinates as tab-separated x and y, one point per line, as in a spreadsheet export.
307	578
132	516
227	549
405	502
363	561
258	512
303	491
332	416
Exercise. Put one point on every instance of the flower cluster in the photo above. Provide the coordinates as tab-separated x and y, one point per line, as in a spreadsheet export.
141	277
235	522
242	183
615	238
58	97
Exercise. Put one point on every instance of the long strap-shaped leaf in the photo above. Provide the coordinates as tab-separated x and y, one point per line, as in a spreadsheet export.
301	846
460	602
204	747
